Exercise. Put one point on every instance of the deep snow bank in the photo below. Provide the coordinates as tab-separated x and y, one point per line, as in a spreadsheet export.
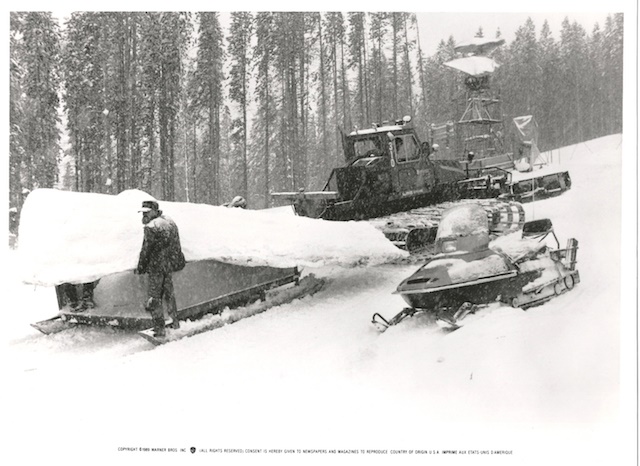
79	237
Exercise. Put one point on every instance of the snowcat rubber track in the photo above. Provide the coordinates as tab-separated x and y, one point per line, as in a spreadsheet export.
415	230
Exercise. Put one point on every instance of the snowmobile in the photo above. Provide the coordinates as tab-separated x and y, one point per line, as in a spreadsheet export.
470	270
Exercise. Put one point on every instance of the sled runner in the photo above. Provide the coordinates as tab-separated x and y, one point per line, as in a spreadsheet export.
306	286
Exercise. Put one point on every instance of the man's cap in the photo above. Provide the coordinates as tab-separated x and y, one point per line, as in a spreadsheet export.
148	206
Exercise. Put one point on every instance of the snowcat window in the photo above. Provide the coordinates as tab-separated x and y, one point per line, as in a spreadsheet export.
406	148
523	187
551	182
366	147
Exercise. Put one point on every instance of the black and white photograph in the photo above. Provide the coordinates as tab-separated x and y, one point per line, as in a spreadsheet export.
341	233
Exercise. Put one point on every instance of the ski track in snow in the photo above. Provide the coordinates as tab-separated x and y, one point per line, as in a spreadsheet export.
318	358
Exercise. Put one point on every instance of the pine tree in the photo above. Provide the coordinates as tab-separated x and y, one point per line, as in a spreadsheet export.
378	65
613	70
595	86
208	80
573	55
335	35
265	99
408	46
549	111
358	63
523	91
17	135
239	52
39	63
421	112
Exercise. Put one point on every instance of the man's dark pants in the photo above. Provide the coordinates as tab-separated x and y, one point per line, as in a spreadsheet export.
161	288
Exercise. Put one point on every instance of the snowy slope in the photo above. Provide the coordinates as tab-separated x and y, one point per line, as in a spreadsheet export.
314	375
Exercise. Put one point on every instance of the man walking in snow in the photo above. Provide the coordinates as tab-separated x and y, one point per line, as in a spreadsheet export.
160	256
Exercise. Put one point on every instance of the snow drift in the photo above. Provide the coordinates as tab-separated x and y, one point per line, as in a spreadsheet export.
71	237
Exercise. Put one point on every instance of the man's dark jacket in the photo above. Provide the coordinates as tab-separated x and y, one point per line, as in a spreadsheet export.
161	251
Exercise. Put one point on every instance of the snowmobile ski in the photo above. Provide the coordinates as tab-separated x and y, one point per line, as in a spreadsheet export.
447	325
382	324
305	287
446	319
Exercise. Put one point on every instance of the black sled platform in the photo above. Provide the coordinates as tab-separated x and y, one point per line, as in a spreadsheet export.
201	288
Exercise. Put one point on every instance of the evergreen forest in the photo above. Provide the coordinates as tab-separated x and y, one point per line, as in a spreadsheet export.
202	107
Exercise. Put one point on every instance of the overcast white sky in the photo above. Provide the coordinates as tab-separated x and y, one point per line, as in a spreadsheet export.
437	19
437	26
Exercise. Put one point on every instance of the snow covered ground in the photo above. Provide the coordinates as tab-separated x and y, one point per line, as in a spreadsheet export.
311	382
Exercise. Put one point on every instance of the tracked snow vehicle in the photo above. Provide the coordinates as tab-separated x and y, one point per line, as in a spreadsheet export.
389	170
478	138
521	269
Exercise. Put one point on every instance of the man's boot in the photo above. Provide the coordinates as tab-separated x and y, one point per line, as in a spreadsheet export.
158	326
175	323
154	307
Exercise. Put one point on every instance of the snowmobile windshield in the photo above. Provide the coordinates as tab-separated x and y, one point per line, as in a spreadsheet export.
462	221
463	228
